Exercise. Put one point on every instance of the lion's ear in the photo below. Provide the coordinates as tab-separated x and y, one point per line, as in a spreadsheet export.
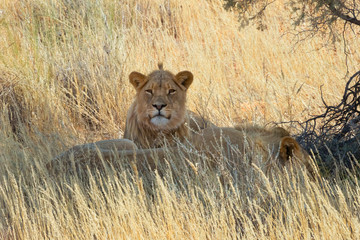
288	148
137	79
184	79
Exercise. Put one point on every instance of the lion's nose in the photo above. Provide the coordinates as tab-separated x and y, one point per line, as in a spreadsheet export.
159	106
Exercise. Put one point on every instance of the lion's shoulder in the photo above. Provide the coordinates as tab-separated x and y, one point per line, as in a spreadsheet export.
198	122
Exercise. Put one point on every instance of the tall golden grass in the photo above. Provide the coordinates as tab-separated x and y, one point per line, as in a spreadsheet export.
63	81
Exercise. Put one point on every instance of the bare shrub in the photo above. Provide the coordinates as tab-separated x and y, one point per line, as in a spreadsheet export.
336	131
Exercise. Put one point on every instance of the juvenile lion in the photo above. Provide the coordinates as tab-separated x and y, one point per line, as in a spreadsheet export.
158	112
158	115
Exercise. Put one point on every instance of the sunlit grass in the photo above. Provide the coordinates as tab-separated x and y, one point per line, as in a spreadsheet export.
64	69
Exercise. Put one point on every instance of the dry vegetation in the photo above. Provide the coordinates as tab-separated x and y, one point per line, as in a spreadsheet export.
63	81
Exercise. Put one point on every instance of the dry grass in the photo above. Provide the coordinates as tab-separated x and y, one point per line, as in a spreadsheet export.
63	80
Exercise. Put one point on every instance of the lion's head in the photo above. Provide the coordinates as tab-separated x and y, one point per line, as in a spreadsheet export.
280	146
158	110
266	148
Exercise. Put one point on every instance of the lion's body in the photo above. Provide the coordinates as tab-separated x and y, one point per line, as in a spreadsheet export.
158	115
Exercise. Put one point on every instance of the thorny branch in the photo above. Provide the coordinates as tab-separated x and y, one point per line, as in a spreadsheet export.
339	124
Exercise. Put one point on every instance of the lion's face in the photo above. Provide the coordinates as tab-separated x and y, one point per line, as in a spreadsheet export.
160	98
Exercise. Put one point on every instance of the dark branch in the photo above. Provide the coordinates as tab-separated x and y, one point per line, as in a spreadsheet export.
343	16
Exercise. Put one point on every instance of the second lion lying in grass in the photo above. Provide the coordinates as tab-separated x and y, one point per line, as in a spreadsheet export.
158	124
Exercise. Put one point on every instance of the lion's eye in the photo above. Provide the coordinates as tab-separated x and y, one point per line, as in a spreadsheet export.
149	91
172	91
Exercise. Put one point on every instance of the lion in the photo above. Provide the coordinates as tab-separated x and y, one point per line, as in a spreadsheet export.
158	115
158	112
158	121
